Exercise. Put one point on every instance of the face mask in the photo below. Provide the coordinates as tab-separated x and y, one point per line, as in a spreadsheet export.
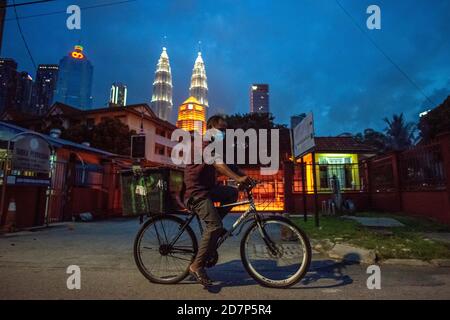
218	135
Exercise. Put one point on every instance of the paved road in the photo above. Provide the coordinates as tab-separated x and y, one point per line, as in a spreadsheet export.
33	266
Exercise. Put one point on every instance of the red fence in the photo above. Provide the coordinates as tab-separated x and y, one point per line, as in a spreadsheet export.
416	181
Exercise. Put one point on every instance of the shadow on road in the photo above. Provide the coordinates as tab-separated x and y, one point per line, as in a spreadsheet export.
323	274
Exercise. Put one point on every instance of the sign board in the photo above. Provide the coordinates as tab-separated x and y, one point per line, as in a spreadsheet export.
138	147
24	181
303	136
31	153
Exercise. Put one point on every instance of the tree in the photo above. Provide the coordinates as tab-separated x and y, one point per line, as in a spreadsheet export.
399	134
112	135
78	133
373	138
436	121
261	121
253	121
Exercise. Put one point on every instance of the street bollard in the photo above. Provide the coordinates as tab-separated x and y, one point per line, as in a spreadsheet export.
10	223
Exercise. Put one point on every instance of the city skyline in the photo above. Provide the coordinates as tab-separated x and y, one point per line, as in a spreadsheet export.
162	103
75	77
199	81
326	64
259	98
119	93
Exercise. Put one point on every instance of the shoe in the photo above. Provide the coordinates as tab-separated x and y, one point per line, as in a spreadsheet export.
212	260
202	277
214	256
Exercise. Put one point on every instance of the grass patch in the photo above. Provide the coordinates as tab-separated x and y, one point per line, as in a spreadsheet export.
401	242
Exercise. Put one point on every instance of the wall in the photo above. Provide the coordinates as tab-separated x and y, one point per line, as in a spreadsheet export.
30	205
434	204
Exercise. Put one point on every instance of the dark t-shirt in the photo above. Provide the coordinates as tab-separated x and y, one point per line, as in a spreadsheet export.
199	179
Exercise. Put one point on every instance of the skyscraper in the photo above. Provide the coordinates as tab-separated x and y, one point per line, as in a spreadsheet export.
118	96
44	88
74	86
8	83
162	88
199	85
192	116
259	98
24	90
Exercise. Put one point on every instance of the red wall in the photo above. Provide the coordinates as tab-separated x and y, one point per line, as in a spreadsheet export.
385	201
431	204
88	200
360	199
30	205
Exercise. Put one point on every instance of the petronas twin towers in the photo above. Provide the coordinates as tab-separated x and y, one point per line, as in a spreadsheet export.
163	89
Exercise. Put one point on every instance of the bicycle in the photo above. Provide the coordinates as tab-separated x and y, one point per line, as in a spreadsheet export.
292	255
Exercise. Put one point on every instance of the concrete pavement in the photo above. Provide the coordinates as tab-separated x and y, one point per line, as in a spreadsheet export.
33	266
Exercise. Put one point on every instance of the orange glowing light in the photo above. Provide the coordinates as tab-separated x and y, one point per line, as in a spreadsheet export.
77	53
192	116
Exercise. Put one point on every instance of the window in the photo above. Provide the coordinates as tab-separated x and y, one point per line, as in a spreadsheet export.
90	123
297	185
160	132
159	149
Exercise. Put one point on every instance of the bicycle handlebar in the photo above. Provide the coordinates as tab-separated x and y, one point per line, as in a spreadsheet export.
249	186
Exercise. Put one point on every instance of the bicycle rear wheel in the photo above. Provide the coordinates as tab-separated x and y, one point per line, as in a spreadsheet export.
281	258
156	258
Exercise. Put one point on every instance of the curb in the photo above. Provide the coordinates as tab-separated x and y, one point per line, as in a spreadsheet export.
407	262
344	252
34	230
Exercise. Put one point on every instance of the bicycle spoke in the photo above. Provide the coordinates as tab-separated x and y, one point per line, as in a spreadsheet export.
282	264
157	258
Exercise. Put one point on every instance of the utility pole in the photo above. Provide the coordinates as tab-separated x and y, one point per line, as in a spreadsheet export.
2	21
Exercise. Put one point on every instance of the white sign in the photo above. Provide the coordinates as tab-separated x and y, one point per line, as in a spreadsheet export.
31	153
303	136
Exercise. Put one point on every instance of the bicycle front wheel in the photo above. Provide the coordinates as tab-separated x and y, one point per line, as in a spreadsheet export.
277	254
162	252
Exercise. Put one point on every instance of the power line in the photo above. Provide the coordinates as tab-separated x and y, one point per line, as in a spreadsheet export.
363	31
24	3
22	35
82	8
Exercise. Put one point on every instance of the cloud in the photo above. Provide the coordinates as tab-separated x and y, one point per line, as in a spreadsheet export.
310	52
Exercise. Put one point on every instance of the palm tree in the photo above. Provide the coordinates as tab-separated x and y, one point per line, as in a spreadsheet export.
373	138
400	135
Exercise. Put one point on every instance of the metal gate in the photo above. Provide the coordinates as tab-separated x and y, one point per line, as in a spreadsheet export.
57	198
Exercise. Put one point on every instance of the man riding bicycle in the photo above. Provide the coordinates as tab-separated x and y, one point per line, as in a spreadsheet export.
202	191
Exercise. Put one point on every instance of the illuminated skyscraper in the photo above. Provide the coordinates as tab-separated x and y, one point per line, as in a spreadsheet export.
118	96
199	85
259	98
8	83
162	88
192	116
74	86
44	87
24	90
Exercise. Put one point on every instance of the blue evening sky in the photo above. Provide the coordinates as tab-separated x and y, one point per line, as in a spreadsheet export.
309	51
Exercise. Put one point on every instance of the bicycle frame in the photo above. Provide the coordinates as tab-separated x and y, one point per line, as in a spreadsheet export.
241	221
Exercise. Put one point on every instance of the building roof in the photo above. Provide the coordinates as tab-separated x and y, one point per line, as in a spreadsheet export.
191	100
66	109
341	145
55	142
